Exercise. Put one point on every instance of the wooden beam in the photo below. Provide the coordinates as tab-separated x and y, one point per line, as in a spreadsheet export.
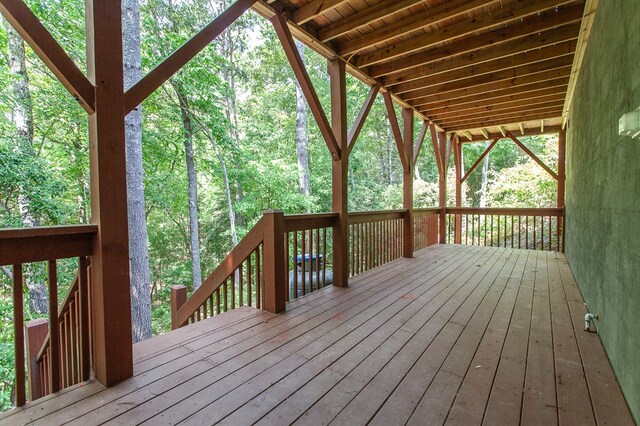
407	183
354	132
563	16
18	14
492	86
496	76
434	15
532	155
340	173
512	12
365	17
504	133
518	61
110	286
467	135
395	128
163	71
542	124
313	9
418	145
282	30
484	133
528	132
479	160
436	146
484	54
521	125
518	93
562	146
504	120
498	110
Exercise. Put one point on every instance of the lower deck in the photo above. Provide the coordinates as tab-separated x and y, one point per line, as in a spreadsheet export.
457	335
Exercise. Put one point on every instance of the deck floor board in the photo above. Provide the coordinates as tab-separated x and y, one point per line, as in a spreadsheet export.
457	335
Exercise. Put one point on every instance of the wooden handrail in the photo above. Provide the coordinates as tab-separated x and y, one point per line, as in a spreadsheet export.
427	211
373	216
301	222
26	245
506	211
227	267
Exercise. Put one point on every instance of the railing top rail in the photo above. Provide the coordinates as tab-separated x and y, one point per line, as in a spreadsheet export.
552	211
426	211
374	216
300	222
25	245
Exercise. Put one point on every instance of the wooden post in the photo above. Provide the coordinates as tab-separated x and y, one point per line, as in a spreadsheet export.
110	291
275	288
562	146
442	185
178	298
339	173
84	271
407	183
457	156
36	333
18	334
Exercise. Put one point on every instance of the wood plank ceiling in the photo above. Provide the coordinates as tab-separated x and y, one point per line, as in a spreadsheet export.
477	68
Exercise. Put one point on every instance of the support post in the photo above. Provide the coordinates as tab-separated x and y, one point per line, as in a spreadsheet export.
407	183
442	185
178	298
339	173
457	157
275	289
562	146
110	291
36	333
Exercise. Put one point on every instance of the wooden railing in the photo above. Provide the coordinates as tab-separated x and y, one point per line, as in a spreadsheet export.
536	229
237	281
308	252
425	227
375	238
58	351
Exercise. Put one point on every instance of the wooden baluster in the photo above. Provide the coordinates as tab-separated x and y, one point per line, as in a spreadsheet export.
324	256
18	335
350	250
499	240
558	233
54	338
249	281
240	286
233	290
303	246
225	299
534	233
218	301
259	279
287	256
295	265
526	233
36	334
550	234
512	231
485	230
311	260
318	261
85	326
76	336
66	331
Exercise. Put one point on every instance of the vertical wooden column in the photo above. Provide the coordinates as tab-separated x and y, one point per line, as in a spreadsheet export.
457	156
178	298
442	185
339	173
110	291
407	183
275	288
562	146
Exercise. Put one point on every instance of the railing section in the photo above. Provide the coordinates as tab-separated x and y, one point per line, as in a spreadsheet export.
375	238
536	229
308	253
58	350
237	281
425	227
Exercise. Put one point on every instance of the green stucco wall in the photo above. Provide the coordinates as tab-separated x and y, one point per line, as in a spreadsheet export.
603	188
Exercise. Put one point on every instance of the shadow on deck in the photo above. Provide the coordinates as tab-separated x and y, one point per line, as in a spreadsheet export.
460	334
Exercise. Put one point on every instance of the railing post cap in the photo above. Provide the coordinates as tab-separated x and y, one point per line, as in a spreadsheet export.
36	322
178	287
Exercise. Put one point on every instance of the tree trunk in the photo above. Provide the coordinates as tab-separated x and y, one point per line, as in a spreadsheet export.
483	184
22	118
302	138
194	233
138	239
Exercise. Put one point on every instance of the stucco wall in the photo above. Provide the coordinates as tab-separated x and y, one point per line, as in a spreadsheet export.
603	188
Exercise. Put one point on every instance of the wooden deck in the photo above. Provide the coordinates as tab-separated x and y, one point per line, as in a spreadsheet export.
458	335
